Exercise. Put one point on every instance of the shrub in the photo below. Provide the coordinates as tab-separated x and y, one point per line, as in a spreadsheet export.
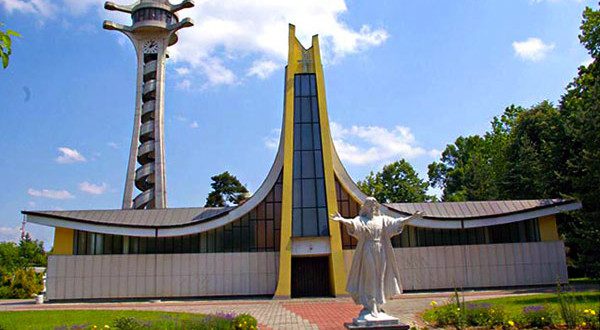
537	316
484	315
127	323
245	321
21	284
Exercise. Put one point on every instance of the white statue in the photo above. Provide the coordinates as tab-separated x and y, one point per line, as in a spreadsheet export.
374	276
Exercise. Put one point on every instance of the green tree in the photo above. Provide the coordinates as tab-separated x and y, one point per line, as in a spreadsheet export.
6	45
397	182
580	111
535	154
227	190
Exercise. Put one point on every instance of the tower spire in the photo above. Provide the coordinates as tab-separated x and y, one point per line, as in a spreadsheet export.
154	28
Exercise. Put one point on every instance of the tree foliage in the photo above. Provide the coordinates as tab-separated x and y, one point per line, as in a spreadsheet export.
397	182
6	45
227	190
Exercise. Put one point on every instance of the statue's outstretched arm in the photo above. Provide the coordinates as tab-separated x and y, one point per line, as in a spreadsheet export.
396	225
338	218
412	217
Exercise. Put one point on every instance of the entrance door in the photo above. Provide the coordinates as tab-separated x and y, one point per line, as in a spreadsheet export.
310	277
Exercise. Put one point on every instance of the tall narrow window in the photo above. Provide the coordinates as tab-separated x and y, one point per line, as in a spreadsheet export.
309	207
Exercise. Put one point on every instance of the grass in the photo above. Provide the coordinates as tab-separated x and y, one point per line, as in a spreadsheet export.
584	280
514	305
66	319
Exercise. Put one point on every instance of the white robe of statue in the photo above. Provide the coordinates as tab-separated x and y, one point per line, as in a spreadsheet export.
374	276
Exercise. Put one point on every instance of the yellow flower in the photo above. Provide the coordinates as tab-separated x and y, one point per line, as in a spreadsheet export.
458	309
245	322
239	325
586	311
106	326
433	303
94	327
511	323
542	318
583	324
593	312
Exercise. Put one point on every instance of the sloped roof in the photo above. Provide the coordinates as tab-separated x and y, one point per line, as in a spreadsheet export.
471	210
169	217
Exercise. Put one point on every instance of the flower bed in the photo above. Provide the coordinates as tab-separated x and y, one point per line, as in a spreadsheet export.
560	311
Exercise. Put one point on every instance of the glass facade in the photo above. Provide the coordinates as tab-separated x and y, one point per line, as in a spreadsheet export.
257	231
522	231
309	207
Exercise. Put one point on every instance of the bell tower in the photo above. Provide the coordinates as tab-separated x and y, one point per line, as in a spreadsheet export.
154	28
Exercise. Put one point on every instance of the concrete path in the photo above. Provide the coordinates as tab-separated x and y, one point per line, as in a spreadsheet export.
318	313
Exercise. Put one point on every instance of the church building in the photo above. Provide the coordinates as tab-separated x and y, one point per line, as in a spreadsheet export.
280	242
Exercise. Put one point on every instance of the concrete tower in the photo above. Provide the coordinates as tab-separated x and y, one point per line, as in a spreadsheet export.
154	28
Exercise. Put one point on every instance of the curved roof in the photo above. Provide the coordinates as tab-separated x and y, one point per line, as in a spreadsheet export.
476	210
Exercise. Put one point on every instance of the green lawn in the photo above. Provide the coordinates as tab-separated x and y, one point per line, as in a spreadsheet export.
514	305
86	319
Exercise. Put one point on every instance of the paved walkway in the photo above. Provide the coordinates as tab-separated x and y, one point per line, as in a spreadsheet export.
318	313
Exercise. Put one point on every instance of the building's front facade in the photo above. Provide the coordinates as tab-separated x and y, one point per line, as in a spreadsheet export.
281	241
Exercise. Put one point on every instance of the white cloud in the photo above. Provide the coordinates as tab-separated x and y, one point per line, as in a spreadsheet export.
93	189
228	31
48	193
262	69
10	234
532	49
182	71
272	141
184	84
194	124
40	8
113	145
362	145
68	155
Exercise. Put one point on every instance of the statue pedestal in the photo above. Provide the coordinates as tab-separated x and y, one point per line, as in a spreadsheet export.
382	321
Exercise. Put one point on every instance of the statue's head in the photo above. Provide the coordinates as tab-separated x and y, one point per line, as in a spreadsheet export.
370	208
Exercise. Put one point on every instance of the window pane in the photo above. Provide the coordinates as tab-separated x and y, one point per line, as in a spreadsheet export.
296	222
315	109
308	164
323	222
321	200
318	164
297	137
297	194
307	138
309	198
305	115
309	222
305	82
316	136
312	85
297	109
297	87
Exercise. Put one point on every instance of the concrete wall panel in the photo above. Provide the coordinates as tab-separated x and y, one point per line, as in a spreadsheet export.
166	275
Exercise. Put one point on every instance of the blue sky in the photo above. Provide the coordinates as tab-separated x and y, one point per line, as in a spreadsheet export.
403	79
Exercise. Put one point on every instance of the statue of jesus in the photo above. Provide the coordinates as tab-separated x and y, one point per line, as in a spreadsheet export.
374	276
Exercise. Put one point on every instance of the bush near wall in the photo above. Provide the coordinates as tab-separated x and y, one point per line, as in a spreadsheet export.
17	278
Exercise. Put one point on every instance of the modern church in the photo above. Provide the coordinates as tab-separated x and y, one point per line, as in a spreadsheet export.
280	242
